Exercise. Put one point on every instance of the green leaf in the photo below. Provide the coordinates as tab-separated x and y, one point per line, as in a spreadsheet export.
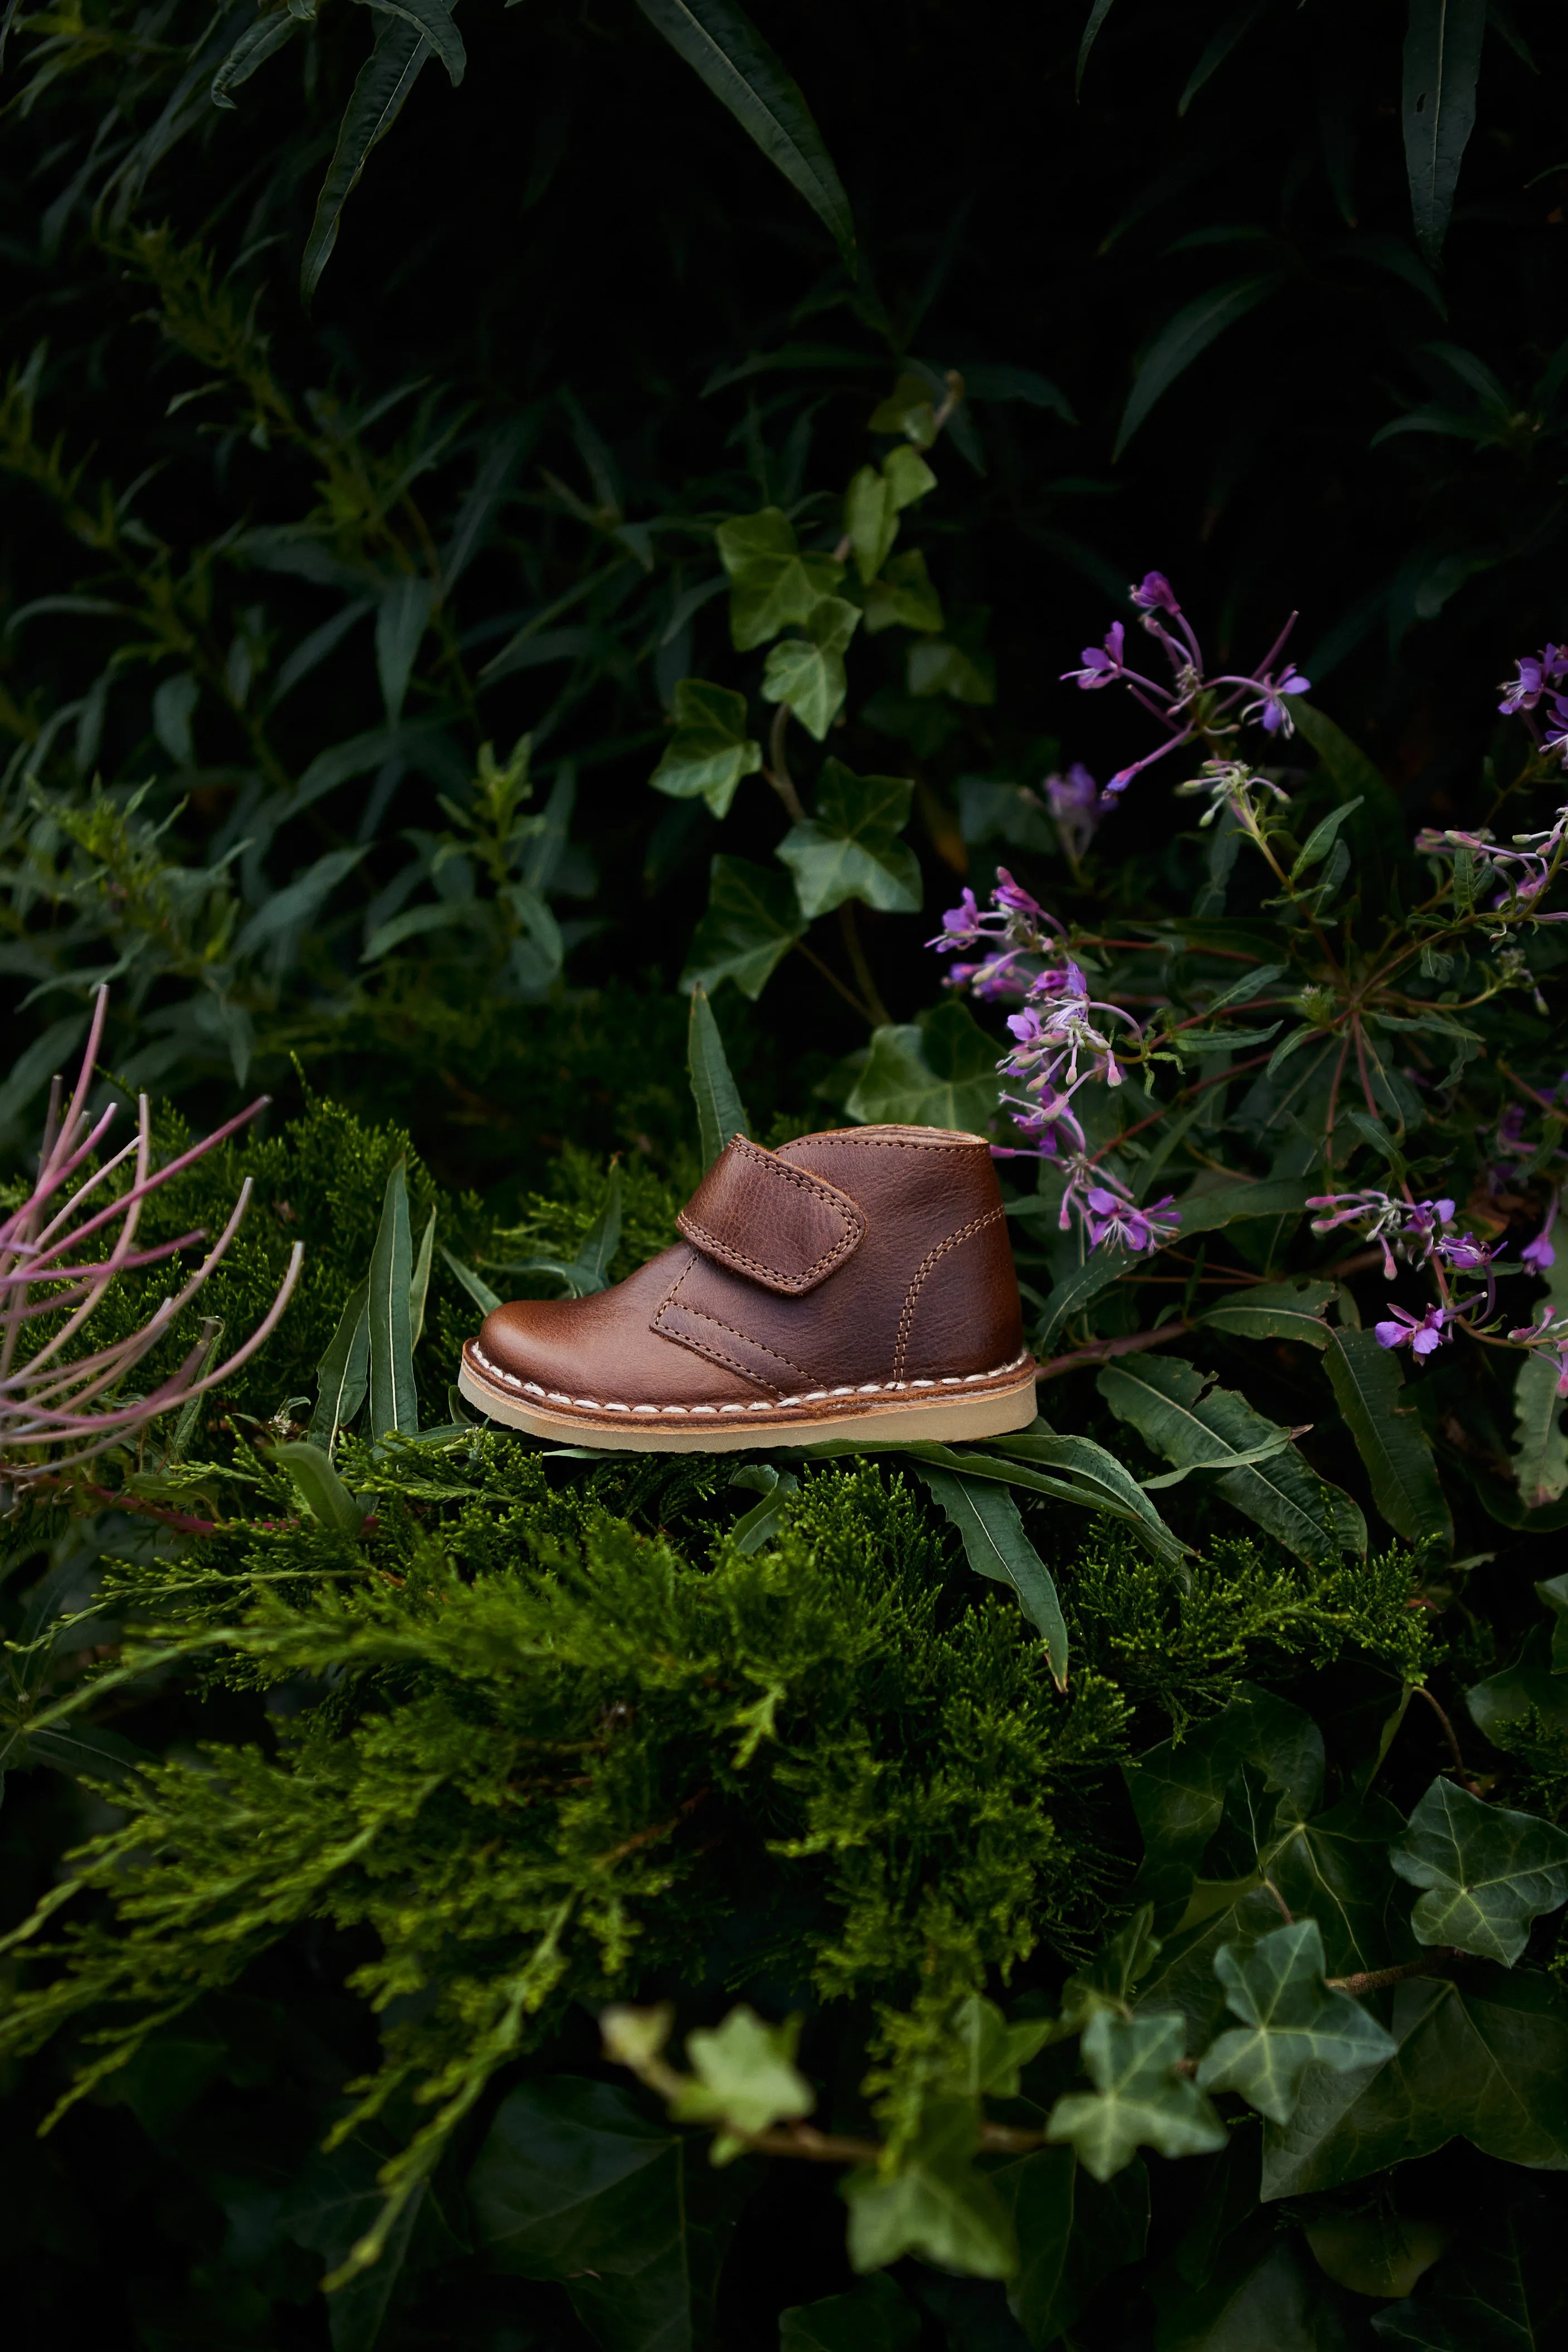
1205	1211
710	749
596	1252
333	2204
772	584
1233	30
1072	2231
849	849
753	920
311	1467
1178	1412
937	2205
1540	1449
1321	840
1097	16
1102	1480
1263	2295
746	2079
872	2317
1290	2020
255	46
937	666
1484	2057
1138	2099
419	1281
996	1546
903	597
870	520
1437	101
478	1290
434	19
937	1071
990	2051
1379	820
573	2183
1502	2290
385	78
720	1113
907	410
393	1400
344	1372
1186	337
722	46
1099	1270
807	672
1488	1872
1367	1380
1274	1311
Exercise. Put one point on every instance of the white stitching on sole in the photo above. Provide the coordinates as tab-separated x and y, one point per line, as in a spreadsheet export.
766	1405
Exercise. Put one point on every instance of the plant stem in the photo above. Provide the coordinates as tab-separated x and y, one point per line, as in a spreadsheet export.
1101	1351
831	977
880	1016
1374	1980
777	773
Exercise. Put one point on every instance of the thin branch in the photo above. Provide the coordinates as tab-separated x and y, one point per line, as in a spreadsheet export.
880	1016
1433	1964
1101	1352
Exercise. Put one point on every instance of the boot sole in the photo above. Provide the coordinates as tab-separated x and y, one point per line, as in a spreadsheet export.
942	1415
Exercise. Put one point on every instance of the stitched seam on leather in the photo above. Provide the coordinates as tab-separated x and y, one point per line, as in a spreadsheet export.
814	1396
911	1296
707	1348
836	1203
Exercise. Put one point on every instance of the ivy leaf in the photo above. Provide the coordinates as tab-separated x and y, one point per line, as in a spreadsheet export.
1485	2059
723	47
1488	1872
746	2080
1274	1311
1182	1415
938	666
1539	1448
870	520
772	584
807	672
710	749
850	848
1138	2099
1290	2020
872	2317
996	1546
1111	1976
937	1071
1501	2291
904	598
937	2205
1442	65
753	920
1073	2232
907	410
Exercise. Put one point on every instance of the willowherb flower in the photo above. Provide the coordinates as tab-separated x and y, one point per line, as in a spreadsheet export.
1537	674
1194	703
1413	1230
1539	1254
60	1255
1014	931
1550	1335
1114	1222
1075	802
1420	1334
1522	872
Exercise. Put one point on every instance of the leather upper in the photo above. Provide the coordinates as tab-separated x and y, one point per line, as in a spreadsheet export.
862	1257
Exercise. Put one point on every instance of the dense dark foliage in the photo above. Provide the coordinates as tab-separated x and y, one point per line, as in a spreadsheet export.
369	540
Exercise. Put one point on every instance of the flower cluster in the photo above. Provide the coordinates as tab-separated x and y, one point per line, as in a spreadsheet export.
1549	1332
1192	705
1522	872
1061	1041
1417	1230
1538	688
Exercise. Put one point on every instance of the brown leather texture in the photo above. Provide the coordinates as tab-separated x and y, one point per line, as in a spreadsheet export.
920	1287
776	1224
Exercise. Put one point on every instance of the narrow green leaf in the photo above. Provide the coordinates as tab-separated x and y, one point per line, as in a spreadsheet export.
434	19
393	1401
385	78
1205	1212
602	1240
996	1546
419	1283
720	1113
1184	339
1441	68
1367	1380
1321	840
255	46
723	47
1097	16
311	1467
1109	1483
1234	31
1099	1271
1274	1311
1488	1872
344	1372
484	1298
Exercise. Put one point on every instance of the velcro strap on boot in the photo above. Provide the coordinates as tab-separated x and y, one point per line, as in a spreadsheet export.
775	1223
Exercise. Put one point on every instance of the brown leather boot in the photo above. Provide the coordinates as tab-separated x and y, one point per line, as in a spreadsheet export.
858	1284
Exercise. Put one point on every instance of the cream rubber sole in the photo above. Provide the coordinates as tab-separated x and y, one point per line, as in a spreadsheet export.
940	1412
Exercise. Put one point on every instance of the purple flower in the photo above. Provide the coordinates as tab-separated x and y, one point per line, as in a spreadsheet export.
1117	1223
1270	710
1539	1254
1155	594
1099	667
1075	802
1464	1253
1537	674
1420	1335
1010	895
